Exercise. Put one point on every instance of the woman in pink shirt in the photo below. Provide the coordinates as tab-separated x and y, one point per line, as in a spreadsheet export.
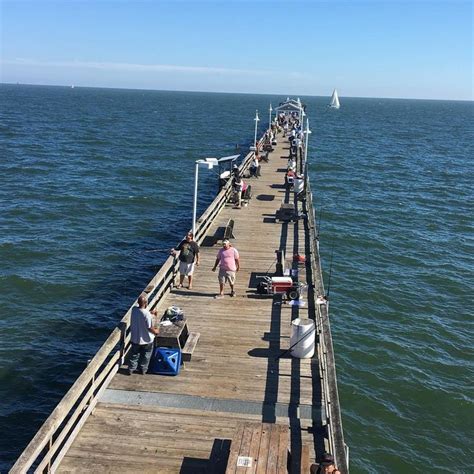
228	261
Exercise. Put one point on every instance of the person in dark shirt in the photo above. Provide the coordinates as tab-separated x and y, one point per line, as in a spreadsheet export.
326	466
188	257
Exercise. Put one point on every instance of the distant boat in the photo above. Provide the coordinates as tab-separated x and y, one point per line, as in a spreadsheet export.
72	87
334	100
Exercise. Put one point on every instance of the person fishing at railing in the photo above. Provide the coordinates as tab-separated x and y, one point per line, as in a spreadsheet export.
188	257
291	165
239	186
254	167
290	177
142	336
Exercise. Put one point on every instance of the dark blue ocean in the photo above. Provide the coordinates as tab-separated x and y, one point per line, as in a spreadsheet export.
96	184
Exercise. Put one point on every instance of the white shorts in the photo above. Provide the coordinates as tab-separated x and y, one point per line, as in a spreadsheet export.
186	268
226	275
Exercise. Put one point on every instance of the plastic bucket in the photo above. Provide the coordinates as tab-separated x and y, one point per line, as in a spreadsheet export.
302	338
298	185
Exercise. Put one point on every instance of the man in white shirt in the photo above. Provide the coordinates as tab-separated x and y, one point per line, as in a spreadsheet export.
142	337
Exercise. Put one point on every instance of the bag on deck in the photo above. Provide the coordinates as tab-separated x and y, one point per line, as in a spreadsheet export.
173	313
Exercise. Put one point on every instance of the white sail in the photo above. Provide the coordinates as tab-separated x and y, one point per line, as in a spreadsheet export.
334	100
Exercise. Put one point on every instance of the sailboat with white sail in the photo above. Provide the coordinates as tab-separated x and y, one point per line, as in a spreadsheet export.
334	104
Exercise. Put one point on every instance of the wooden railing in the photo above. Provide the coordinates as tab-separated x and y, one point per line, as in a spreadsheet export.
327	366
49	445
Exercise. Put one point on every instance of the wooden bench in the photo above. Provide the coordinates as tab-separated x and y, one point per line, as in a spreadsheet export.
229	230
259	448
286	213
175	335
189	346
224	233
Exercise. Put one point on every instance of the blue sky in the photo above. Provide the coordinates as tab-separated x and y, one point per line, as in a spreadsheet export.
373	48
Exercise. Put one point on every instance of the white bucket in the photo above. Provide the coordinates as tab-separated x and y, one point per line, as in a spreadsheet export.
298	185
302	330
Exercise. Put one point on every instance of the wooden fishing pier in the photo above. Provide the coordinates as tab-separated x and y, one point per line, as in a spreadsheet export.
239	403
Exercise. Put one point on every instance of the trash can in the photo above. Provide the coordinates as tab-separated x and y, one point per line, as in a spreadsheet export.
302	338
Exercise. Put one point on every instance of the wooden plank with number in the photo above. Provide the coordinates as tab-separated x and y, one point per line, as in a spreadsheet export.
259	448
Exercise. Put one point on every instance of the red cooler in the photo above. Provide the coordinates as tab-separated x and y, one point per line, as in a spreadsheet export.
281	284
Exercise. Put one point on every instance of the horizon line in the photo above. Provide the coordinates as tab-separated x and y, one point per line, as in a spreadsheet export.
223	92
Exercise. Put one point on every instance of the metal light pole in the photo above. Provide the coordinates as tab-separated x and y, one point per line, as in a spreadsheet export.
302	140
196	173
210	163
300	113
307	132
256	122
270	118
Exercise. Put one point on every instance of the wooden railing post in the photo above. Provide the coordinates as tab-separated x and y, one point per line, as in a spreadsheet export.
123	333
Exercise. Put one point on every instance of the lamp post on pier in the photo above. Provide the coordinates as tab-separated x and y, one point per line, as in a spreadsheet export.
270	118
209	163
307	133
255	135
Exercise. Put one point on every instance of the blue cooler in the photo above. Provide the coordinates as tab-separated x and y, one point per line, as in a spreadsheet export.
165	361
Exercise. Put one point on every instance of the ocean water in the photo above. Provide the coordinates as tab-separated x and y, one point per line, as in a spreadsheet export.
96	185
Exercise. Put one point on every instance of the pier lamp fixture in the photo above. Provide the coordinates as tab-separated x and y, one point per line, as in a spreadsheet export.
307	133
270	117
208	163
254	147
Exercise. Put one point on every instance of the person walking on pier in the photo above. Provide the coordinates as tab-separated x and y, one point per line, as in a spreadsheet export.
188	256
142	335
228	260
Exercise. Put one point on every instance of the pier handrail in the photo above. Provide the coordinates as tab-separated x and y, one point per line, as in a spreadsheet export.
50	443
327	365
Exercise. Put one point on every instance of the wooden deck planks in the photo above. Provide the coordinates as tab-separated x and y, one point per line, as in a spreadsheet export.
234	358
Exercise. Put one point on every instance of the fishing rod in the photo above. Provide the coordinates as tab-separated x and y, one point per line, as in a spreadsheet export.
139	252
268	269
168	249
326	296
319	221
296	343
